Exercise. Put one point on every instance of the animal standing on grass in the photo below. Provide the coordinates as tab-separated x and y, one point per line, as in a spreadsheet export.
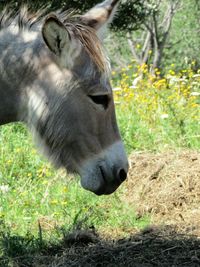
54	76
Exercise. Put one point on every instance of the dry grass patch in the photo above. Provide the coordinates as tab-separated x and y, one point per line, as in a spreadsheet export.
167	186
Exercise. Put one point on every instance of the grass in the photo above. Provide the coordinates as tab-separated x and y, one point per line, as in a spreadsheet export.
139	135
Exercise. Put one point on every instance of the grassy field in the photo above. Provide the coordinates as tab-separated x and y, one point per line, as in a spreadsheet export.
39	203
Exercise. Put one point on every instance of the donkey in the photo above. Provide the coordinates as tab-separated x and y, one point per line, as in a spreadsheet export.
54	76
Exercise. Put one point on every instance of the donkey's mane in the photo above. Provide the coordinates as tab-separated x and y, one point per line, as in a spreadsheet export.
26	20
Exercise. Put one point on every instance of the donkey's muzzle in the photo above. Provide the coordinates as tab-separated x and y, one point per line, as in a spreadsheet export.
104	174
108	184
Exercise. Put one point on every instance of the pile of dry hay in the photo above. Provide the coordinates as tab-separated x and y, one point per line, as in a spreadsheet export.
167	186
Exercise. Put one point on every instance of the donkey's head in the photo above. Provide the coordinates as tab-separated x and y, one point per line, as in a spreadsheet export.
78	124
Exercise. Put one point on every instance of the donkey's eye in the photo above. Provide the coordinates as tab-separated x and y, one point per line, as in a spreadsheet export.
102	100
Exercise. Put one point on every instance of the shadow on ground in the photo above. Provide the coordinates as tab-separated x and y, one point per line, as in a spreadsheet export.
151	247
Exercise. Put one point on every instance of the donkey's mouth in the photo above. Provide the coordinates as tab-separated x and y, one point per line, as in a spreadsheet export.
107	187
103	175
106	190
105	183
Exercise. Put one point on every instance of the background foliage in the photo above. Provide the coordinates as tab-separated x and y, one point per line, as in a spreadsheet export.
182	44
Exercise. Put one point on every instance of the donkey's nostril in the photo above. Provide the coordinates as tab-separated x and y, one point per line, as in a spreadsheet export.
122	174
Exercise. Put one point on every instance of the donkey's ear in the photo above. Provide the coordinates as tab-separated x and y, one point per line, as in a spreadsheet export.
101	15
55	34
